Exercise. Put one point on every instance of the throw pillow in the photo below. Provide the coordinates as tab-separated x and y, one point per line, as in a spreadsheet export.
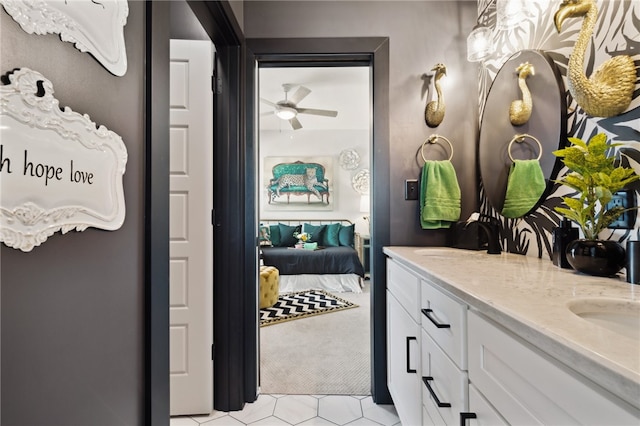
331	235
274	234
265	238
346	235
316	231
286	235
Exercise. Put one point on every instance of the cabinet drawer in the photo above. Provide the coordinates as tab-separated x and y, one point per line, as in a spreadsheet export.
445	319
405	286
444	385
527	386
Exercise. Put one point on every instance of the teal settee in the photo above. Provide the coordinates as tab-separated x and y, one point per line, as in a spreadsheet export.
300	179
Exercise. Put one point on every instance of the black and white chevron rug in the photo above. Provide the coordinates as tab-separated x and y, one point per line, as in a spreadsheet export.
302	304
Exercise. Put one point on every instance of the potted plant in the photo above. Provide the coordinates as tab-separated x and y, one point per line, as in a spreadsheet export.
595	177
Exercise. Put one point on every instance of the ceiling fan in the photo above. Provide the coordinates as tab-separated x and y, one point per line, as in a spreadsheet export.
288	109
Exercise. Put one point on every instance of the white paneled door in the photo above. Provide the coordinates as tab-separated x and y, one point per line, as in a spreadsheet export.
190	229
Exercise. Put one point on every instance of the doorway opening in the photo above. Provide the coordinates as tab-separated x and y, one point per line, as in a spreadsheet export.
370	52
330	127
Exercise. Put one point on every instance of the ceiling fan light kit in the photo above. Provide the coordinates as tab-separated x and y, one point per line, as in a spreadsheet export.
285	113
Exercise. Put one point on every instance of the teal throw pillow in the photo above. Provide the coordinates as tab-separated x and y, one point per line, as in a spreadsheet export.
274	234
346	235
286	235
331	235
316	231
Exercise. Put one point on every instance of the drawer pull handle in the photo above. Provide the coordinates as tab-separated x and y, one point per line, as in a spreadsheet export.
427	312
426	381
465	416
409	369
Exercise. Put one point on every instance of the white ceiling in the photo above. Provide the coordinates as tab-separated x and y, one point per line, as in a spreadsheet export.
344	89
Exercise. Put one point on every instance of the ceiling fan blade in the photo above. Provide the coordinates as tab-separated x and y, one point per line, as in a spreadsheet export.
295	123
323	112
300	94
266	113
268	102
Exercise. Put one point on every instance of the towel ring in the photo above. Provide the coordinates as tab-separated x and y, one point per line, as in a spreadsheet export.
434	139
520	139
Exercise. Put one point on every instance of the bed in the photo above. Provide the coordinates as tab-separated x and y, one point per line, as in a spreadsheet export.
333	266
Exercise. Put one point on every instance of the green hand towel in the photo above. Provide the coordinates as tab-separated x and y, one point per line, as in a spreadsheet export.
525	186
439	195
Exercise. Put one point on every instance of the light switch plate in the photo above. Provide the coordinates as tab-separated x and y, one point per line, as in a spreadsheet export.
411	189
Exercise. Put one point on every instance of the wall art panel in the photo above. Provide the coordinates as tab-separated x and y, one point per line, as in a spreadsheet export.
58	170
94	26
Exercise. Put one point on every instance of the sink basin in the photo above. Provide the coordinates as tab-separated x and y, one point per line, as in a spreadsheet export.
618	315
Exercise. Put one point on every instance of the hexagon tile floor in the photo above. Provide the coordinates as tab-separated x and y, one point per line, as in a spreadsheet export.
304	410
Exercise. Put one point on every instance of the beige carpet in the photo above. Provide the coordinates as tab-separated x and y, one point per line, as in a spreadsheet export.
325	354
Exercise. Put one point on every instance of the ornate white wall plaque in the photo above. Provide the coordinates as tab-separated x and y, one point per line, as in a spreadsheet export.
58	171
94	26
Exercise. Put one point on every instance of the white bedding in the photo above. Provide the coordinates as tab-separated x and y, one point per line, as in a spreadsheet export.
337	283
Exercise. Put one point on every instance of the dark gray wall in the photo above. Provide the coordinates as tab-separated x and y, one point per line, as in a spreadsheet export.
72	309
421	34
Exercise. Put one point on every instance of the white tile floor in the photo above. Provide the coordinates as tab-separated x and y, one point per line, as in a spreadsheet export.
304	410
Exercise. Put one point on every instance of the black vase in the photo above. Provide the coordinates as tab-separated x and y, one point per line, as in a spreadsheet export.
603	258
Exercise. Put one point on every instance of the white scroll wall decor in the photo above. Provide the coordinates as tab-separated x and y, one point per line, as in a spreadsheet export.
94	26
58	170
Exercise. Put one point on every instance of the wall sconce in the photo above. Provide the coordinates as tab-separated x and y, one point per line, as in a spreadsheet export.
479	44
479	41
509	13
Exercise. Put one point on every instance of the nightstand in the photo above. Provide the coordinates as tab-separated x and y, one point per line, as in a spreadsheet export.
363	247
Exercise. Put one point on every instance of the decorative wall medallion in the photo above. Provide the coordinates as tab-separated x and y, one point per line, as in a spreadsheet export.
58	170
360	181
94	26
349	159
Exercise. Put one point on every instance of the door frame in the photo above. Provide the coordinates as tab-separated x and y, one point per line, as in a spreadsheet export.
372	52
218	20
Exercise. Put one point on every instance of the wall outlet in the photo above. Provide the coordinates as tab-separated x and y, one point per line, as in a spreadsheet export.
625	198
411	189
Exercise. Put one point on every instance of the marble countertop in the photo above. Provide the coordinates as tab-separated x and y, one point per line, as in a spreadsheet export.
530	297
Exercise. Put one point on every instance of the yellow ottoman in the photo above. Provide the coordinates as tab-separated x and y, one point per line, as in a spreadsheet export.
269	286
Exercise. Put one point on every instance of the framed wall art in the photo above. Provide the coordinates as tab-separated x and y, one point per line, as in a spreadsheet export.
298	183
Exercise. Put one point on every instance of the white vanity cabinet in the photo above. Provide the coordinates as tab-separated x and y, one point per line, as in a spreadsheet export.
497	347
403	343
528	387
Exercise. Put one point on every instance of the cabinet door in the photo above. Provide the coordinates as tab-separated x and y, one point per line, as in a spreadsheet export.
528	387
483	413
403	362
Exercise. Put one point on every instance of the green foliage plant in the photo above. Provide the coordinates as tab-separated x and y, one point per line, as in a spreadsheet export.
594	176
